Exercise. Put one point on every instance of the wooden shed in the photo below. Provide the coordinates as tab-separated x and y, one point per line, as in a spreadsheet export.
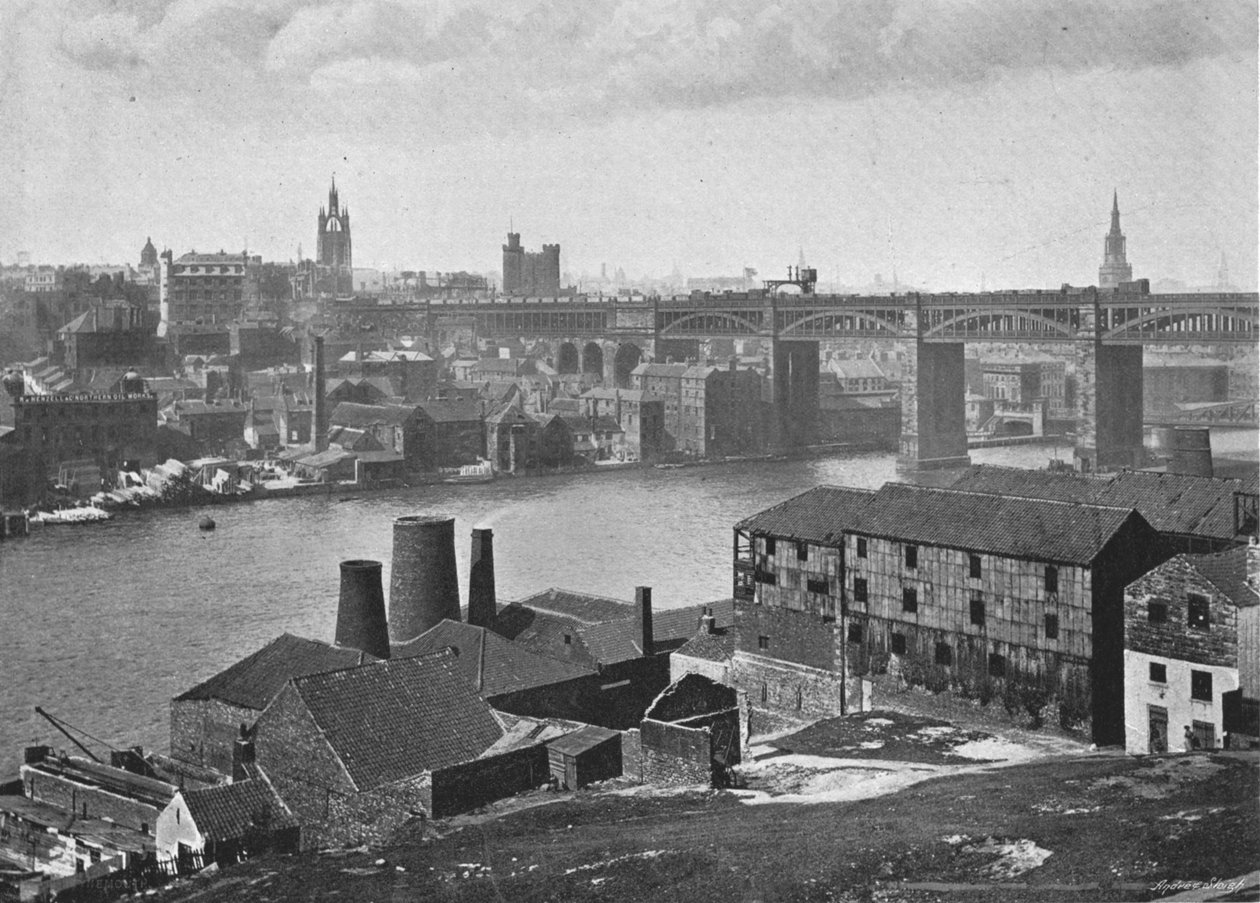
587	755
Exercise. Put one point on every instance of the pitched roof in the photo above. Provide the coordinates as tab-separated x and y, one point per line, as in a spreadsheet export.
819	515
582	608
492	663
674	371
713	647
256	679
581	740
451	411
632	396
349	413
227	811
1227	571
857	369
395	719
1038	529
673	624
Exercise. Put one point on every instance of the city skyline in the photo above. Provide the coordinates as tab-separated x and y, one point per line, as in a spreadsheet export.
952	145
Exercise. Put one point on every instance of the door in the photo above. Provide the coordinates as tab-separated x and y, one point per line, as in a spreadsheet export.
1158	734
1205	732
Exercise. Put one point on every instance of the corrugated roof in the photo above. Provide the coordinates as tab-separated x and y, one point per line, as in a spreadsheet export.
227	811
1067	532
1227	571
255	680
821	515
391	720
492	663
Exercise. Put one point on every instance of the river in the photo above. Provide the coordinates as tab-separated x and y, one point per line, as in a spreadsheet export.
104	623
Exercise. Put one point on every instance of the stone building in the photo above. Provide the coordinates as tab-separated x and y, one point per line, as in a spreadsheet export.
1190	625
224	822
203	289
991	596
398	428
453	433
1115	267
513	439
334	273
640	414
720	411
109	335
113	431
1172	379
530	273
665	382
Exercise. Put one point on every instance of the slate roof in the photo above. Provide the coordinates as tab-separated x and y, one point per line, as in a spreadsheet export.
493	664
1227	571
582	608
255	680
227	811
391	720
673	624
713	647
674	371
818	515
1067	532
349	413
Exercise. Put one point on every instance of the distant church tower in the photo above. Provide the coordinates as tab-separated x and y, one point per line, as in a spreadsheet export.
1115	268
148	255
332	244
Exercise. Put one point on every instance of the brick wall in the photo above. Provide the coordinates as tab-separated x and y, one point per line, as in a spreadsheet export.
674	755
87	801
468	785
204	731
791	636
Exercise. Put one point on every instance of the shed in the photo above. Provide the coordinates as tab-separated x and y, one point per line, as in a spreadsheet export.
585	756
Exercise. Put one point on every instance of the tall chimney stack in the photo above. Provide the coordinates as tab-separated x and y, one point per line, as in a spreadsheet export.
643	598
361	611
482	605
319	423
423	586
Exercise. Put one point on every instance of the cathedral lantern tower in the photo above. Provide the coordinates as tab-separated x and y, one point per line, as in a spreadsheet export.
1115	268
332	245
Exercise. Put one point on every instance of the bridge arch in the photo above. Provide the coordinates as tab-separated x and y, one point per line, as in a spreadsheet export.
873	323
981	319
1166	321
628	356
593	359
567	358
733	322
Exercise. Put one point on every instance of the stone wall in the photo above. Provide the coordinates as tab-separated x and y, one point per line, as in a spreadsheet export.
469	785
790	688
790	636
632	754
1170	585
204	731
87	801
674	755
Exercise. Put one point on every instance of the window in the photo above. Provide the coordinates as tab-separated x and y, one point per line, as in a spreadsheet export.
568	641
855	633
1197	612
859	589
944	654
974	566
1052	627
769	545
997	665
912	556
899	644
861	547
1157	612
910	599
763	642
802	551
1052	578
765	692
765	577
1201	685
977	611
818	586
1159	673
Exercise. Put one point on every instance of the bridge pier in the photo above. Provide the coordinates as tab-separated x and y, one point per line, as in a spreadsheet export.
796	375
933	407
1108	402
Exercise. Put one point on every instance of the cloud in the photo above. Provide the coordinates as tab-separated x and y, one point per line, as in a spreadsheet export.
104	41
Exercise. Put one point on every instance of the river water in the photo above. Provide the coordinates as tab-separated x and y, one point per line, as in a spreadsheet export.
103	624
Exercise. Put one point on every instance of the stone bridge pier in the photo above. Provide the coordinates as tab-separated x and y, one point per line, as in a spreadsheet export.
1108	401
933	407
609	359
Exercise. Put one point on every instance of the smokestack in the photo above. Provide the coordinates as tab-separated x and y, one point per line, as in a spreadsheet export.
482	606
361	611
423	587
643	598
319	423
1192	452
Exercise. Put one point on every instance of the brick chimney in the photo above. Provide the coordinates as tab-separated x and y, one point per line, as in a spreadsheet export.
242	755
643	599
708	624
482	605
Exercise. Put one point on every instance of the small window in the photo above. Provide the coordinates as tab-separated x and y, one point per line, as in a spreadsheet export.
1052	627
1197	612
802	551
769	545
766	577
1157	612
859	589
944	654
1052	578
855	633
818	586
1201	685
568	641
910	599
861	547
763	642
977	611
997	665
1159	673
899	644
912	556
974	566
765	692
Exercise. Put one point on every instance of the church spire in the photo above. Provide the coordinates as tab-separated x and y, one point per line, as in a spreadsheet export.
1115	268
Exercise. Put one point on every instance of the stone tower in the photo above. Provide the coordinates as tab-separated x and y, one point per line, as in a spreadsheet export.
1115	268
332	243
148	255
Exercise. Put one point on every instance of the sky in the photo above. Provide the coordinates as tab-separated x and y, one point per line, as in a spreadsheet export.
952	142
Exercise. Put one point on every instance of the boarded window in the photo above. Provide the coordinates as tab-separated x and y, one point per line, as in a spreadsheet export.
1159	673
912	556
859	589
861	547
763	642
1052	627
974	566
997	665
1052	578
944	654
855	633
1197	612
910	599
977	611
1201	685
802	551
766	577
818	586
899	644
1157	612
